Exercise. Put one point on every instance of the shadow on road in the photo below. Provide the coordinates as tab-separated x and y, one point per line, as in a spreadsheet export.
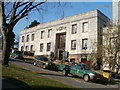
23	60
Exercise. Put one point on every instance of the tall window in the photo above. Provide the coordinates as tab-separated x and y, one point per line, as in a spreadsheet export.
42	34
23	38
41	47
74	28
22	48
48	46
27	38
84	43
85	27
73	44
32	37
31	48
49	33
27	48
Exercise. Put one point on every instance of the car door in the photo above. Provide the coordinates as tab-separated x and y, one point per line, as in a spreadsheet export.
73	69
80	70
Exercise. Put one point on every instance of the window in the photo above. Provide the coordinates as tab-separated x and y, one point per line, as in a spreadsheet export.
32	37
23	38
27	38
42	34
48	46
31	48
41	47
26	48
84	43
74	28
85	26
73	44
22	48
49	33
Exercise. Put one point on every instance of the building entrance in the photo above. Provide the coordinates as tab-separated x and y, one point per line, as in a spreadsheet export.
60	45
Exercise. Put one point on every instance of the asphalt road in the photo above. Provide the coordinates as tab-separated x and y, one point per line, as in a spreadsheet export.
58	76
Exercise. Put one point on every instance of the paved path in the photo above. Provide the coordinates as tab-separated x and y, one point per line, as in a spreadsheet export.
76	82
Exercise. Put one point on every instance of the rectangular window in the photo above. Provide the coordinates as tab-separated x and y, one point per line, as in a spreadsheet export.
85	27
84	43
48	46
32	37
49	33
27	38
42	34
23	38
41	47
74	28
73	44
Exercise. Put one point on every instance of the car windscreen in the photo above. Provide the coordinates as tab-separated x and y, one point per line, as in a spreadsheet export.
45	59
85	67
18	52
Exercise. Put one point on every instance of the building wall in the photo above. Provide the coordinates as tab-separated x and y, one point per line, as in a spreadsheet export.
116	11
95	19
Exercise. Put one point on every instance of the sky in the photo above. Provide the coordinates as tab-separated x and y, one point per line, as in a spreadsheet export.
52	12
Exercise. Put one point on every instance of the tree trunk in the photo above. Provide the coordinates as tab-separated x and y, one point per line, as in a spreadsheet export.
7	42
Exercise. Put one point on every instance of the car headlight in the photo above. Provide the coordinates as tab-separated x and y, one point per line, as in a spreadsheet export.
91	74
46	63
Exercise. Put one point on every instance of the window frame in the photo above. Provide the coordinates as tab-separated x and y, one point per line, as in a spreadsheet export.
83	24
41	47
74	30
72	46
83	45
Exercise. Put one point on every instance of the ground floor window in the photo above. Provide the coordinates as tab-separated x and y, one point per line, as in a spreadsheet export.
84	60
41	47
48	46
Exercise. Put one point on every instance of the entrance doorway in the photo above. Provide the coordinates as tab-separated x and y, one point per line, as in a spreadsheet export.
60	45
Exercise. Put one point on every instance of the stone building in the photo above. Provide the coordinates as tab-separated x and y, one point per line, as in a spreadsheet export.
116	12
78	34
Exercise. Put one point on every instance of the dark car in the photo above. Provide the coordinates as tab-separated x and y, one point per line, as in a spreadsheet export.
43	62
16	54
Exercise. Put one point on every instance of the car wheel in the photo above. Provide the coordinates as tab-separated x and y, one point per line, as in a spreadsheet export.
35	64
65	73
86	78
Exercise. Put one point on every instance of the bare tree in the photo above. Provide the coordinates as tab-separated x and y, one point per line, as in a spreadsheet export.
12	12
111	46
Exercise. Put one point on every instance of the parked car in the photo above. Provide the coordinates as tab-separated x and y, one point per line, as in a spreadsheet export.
16	54
43	62
81	70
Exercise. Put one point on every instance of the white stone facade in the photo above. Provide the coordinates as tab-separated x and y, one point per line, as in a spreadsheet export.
83	42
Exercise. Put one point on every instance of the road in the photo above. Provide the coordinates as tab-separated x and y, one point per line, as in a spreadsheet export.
58	76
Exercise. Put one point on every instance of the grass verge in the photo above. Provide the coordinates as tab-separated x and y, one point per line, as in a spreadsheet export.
30	79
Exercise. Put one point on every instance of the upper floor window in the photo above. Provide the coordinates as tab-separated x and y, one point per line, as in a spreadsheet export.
49	33
32	37
23	38
48	46
42	34
74	28
73	44
85	27
84	43
41	47
27	38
